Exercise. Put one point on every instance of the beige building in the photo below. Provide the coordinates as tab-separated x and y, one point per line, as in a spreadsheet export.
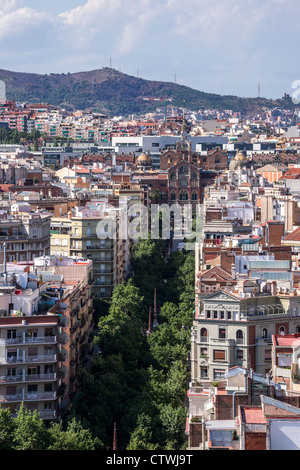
284	208
60	229
44	335
235	329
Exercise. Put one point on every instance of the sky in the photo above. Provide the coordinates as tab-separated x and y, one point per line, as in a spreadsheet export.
226	47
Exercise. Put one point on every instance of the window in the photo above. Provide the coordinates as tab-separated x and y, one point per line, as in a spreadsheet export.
219	374
32	390
48	388
228	315
11	355
215	314
32	352
203	335
183	196
268	354
207	313
222	314
222	333
265	333
219	355
239	354
239	337
11	390
203	372
11	334
282	330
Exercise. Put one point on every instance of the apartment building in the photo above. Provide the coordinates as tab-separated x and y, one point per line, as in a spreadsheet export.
109	252
26	234
61	228
235	328
45	328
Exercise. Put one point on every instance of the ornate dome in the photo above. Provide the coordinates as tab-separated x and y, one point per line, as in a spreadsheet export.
143	158
240	156
239	160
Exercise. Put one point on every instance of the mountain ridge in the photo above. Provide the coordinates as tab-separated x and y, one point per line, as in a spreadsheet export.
113	92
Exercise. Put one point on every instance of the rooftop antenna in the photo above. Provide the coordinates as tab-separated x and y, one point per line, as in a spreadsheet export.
258	90
175	79
110	63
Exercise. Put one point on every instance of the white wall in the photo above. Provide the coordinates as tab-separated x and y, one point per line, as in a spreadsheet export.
285	435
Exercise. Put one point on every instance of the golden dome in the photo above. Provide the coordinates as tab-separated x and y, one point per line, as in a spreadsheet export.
240	156
143	157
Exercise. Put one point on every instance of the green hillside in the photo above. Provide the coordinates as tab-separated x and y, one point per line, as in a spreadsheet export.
114	93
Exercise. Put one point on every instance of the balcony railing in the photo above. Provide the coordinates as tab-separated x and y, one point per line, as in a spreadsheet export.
28	340
28	396
27	378
29	359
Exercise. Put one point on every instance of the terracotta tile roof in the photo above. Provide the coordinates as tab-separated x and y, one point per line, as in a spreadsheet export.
291	174
295	235
252	415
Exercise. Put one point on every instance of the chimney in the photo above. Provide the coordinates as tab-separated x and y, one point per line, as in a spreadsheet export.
233	271
274	288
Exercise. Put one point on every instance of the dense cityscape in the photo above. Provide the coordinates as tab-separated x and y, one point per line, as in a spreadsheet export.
149	279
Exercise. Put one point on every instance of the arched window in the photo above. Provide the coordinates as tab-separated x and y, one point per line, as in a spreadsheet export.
183	196
173	196
194	196
203	335
239	337
282	330
265	333
183	170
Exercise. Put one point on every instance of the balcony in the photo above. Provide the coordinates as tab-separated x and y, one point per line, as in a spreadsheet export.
27	378
28	340
24	396
22	359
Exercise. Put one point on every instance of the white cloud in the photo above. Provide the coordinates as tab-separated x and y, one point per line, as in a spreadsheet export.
193	35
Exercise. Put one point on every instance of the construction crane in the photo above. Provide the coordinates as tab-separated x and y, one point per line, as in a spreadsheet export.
160	99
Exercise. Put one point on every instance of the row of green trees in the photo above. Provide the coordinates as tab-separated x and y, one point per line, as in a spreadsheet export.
27	432
139	380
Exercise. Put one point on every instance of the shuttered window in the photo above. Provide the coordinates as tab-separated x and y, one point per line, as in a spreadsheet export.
219	355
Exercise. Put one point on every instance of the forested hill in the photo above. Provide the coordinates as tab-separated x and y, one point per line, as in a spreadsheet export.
111	92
